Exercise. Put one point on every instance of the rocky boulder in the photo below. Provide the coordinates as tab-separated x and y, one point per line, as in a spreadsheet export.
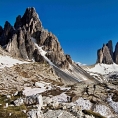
34	113
18	102
35	99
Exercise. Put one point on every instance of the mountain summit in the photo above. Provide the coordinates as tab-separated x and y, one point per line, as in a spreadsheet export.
30	41
106	55
17	40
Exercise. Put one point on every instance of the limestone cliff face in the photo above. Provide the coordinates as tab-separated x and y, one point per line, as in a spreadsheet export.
18	40
106	54
116	54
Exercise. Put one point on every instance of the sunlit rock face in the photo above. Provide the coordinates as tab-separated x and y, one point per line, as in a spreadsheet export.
18	40
106	55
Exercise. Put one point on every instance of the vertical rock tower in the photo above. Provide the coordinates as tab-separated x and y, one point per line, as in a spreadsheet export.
17	40
106	55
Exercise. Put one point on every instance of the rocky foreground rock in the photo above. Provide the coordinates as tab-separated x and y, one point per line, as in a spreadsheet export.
106	54
33	90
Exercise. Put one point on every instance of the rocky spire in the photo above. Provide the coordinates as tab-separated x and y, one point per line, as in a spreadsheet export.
110	47
116	54
1	30
105	54
30	21
6	33
19	40
18	22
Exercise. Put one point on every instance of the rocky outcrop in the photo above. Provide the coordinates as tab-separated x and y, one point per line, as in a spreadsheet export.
18	40
1	30
106	54
68	57
110	47
6	33
116	54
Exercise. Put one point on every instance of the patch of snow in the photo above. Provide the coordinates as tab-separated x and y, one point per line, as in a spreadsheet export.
96	76
104	68
43	85
40	88
80	64
7	61
28	91
61	98
43	53
84	104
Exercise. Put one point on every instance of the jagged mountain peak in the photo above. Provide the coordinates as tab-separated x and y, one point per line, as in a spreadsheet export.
30	20
18	40
106	54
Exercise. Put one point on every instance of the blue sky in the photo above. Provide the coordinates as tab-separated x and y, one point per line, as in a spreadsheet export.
82	26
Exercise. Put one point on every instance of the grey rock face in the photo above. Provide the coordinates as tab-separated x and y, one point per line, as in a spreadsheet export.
69	58
19	40
99	56
18	22
1	30
105	55
6	34
107	58
116	54
53	49
110	47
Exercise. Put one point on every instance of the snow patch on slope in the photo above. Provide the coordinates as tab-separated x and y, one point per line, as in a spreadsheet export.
61	98
40	88
43	53
6	61
104	68
80	64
